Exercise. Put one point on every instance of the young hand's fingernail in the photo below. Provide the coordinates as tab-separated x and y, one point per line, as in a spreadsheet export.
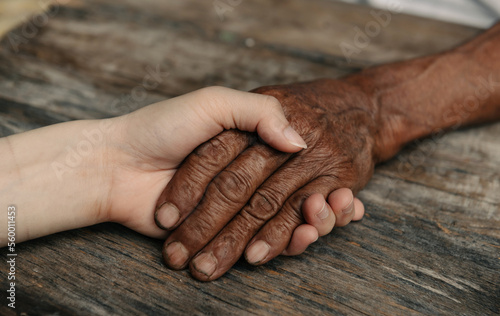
167	215
323	213
294	138
257	252
205	263
349	208
176	255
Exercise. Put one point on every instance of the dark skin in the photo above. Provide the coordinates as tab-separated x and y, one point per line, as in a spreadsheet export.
234	191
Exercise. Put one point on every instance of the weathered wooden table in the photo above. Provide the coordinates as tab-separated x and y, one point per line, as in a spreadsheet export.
430	242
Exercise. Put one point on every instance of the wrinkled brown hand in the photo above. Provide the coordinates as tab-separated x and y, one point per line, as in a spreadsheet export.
241	190
245	193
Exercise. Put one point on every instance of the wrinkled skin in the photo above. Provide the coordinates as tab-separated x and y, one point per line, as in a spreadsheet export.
251	181
348	124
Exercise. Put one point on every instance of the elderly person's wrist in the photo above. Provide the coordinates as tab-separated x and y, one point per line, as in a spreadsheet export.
402	94
425	96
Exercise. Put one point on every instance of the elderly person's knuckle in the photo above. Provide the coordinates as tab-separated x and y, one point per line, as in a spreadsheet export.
295	204
284	227
190	185
233	185
213	151
264	204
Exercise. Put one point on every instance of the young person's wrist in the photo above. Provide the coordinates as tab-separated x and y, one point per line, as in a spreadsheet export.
95	172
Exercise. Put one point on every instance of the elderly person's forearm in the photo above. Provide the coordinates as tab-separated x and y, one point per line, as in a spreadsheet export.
440	92
349	124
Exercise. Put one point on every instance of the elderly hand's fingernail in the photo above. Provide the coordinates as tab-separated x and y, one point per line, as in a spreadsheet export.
176	255
323	213
294	138
257	252
205	263
167	215
349	207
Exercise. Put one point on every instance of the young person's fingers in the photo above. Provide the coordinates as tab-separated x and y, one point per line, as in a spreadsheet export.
320	218
342	204
319	214
359	210
302	237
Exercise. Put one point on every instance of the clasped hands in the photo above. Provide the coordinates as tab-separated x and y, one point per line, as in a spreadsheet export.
191	169
235	194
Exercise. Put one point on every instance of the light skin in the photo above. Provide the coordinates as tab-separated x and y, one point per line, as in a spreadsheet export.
81	173
349	124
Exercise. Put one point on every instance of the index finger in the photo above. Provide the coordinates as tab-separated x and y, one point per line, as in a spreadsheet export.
188	185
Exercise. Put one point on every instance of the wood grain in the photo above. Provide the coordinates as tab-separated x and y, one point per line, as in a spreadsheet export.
430	243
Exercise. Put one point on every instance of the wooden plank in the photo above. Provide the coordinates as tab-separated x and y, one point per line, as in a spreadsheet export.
202	51
313	31
429	244
105	74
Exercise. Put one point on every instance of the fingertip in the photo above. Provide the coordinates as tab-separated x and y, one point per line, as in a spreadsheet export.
264	114
280	135
271	124
342	203
318	213
359	210
253	112
340	199
312	205
302	237
294	138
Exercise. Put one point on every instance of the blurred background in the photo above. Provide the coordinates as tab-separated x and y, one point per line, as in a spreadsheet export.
476	13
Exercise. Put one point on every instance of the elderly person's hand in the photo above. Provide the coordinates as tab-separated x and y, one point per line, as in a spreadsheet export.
240	196
254	194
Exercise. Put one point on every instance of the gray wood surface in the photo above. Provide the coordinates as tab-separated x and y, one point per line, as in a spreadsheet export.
430	242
